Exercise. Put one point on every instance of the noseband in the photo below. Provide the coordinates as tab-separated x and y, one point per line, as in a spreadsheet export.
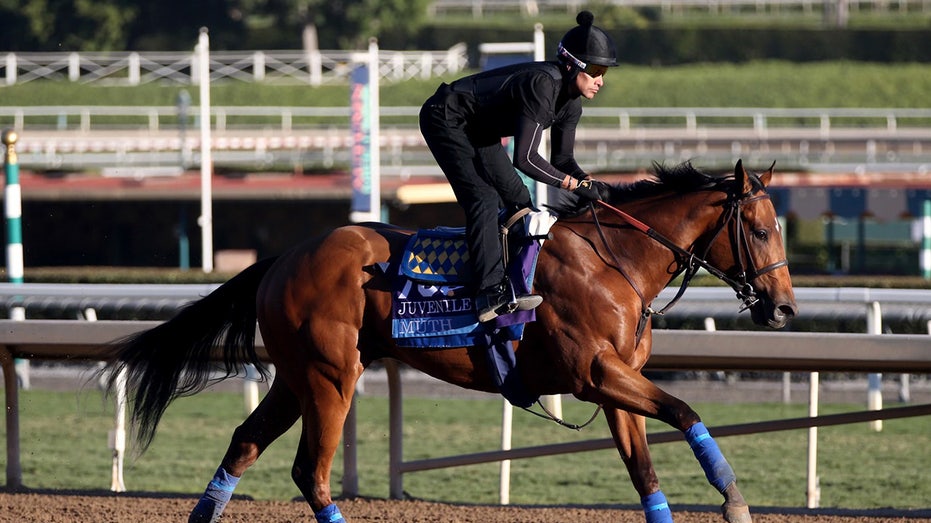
690	263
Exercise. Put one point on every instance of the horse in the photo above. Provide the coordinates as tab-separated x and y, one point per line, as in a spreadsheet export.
324	318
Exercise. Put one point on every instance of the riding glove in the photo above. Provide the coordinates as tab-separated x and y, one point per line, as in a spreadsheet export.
592	189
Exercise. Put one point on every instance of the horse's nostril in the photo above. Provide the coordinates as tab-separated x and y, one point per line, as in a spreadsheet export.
787	310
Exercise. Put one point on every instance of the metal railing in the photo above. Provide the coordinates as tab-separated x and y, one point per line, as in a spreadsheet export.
79	137
699	301
271	67
480	8
287	118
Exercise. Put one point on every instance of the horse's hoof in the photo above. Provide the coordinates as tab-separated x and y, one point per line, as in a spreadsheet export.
736	513
735	509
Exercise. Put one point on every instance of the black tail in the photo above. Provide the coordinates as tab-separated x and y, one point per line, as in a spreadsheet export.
176	358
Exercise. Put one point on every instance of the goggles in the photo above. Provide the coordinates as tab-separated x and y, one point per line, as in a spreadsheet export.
592	70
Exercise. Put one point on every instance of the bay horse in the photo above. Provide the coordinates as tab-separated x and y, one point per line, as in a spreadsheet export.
324	318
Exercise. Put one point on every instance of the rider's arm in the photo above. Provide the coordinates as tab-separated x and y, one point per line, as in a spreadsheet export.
562	145
527	157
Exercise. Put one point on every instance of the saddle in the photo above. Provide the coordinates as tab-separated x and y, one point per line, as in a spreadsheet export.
433	298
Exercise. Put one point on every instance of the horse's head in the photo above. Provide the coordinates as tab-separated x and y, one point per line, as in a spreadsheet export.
749	250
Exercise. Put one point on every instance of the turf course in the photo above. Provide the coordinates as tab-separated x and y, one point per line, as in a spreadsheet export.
64	437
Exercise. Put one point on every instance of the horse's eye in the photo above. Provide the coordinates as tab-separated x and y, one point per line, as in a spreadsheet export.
761	234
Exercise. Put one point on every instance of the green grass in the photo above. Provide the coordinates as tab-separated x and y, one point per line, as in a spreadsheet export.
756	84
64	447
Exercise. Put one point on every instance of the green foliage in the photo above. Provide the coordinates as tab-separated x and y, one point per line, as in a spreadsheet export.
885	471
107	25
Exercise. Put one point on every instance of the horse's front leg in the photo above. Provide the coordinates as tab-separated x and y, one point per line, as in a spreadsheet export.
618	386
630	437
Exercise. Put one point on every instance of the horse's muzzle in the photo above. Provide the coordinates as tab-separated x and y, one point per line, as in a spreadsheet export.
768	313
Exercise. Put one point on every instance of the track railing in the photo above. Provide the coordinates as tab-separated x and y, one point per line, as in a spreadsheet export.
269	67
62	137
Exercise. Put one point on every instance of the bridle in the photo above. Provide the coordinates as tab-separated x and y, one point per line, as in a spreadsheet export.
689	263
740	246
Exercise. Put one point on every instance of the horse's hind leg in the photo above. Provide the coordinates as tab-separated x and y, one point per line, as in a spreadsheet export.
324	409
274	415
621	387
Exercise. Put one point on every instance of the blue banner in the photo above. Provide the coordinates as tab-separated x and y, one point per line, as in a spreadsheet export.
360	167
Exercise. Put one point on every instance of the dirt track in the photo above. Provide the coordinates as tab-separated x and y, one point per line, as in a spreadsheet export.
112	508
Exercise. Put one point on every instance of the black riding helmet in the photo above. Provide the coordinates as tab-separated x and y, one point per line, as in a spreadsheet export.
586	45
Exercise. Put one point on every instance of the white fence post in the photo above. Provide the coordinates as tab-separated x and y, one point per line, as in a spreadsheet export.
874	399
134	69
250	389
504	482
11	68
314	60
205	220
74	67
813	492
395	430
258	66
116	438
118	435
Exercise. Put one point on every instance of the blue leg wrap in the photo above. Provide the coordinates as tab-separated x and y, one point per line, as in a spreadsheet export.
717	469
656	508
329	514
218	494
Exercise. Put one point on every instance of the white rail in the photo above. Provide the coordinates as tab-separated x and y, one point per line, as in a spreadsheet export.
271	67
102	295
480	8
81	137
86	119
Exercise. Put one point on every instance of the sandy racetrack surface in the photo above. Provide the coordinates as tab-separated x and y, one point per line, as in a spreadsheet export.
106	507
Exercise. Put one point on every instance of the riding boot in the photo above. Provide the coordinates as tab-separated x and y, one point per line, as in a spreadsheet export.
499	299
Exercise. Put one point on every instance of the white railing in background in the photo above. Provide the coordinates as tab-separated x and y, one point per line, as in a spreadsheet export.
761	120
480	8
129	297
78	137
270	67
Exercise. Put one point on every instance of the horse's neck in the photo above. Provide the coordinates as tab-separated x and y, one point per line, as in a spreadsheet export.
682	219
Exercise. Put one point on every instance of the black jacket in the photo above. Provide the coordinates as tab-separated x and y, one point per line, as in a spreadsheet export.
520	101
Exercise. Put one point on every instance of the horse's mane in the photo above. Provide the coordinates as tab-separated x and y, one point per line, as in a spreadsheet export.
681	178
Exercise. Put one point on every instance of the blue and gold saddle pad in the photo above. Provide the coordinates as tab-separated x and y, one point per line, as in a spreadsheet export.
433	301
438	255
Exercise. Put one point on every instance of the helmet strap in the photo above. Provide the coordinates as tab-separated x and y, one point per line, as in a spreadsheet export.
564	53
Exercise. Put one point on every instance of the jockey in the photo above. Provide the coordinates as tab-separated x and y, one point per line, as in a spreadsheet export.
463	124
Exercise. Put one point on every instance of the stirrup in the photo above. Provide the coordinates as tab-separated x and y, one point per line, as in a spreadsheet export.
511	303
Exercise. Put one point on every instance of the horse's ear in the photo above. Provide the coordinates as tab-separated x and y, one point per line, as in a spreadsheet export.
742	178
767	176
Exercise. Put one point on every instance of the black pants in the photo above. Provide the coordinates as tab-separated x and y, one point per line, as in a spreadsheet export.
483	179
